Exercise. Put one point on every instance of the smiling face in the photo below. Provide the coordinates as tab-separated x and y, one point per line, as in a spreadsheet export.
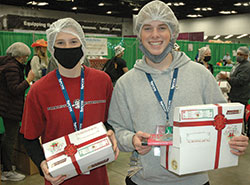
155	37
67	40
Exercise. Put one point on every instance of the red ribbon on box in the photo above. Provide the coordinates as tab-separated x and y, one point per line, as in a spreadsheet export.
167	151
219	123
70	150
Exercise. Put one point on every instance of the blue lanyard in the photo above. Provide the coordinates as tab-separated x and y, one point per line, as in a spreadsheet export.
171	92
66	96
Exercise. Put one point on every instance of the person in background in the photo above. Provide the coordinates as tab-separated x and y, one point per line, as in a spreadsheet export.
226	59
239	78
229	63
116	66
135	112
196	58
46	113
120	64
205	57
220	63
12	92
39	62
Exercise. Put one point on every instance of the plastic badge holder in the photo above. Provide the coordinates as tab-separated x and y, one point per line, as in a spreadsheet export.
163	137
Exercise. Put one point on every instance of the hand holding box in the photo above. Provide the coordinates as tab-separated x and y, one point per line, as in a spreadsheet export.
79	152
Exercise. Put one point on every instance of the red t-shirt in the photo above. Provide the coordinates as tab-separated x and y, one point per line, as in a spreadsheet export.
46	113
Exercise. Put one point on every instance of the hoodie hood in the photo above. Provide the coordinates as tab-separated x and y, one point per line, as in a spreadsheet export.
179	59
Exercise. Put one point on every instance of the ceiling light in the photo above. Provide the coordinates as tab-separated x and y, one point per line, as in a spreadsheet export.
243	35
169	4
179	4
225	12
101	4
237	4
233	12
108	12
245	4
217	36
136	9
229	36
203	9
32	3
42	4
194	16
74	8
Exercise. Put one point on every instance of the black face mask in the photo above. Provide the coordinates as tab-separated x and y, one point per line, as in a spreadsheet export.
68	57
207	58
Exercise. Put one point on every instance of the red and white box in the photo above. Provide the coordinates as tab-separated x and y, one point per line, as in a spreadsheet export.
79	152
158	140
200	138
224	86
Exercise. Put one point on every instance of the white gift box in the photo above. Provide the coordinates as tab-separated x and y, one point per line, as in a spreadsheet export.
79	152
222	72
224	86
200	138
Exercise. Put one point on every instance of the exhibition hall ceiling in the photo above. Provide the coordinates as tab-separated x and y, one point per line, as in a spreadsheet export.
183	9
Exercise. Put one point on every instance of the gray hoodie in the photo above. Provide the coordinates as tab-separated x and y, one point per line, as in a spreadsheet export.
134	108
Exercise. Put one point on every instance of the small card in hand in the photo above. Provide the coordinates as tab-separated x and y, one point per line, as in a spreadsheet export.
158	140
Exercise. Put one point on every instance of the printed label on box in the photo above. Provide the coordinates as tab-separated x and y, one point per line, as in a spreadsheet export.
92	148
197	114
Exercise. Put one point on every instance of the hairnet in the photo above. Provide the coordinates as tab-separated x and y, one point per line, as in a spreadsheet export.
18	49
119	49
157	10
244	50
202	52
67	25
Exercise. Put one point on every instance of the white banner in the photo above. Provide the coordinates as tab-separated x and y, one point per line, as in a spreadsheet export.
96	46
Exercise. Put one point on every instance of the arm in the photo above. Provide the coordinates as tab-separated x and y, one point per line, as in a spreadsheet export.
120	119
242	77
13	78
35	151
211	91
35	66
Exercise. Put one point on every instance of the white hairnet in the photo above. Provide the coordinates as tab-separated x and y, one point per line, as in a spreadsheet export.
244	50
157	10
202	52
67	25
119	49
18	49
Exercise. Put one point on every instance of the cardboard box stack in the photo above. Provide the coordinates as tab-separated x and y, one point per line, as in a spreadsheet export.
79	152
200	138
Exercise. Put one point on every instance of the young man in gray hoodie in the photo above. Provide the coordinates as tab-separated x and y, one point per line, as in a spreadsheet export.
135	111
